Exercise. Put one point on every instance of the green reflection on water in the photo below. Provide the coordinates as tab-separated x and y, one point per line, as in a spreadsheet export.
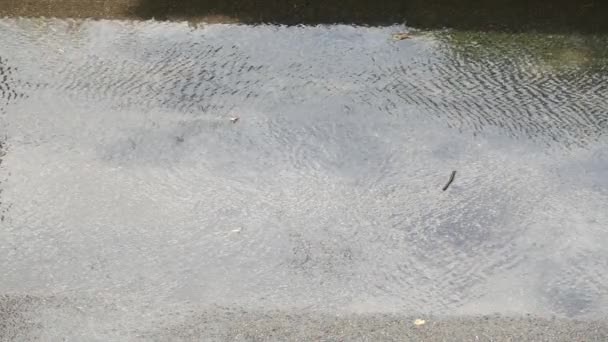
548	52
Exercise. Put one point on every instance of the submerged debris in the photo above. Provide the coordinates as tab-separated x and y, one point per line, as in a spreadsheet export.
450	181
401	36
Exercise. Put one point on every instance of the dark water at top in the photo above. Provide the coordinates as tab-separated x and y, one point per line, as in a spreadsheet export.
126	185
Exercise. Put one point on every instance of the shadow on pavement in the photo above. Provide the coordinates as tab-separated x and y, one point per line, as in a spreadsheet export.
500	15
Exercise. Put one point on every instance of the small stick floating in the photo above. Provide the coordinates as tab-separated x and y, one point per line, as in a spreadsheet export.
450	181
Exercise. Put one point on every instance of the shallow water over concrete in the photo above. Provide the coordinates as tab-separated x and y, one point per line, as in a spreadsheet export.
128	194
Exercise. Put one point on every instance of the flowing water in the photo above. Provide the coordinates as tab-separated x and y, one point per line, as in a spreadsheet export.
129	195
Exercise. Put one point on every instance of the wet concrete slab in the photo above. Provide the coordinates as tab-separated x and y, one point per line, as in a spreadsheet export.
31	318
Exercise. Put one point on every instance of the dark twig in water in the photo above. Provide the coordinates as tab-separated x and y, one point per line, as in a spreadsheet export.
450	181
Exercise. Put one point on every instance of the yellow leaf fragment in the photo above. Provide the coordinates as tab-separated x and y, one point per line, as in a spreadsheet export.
401	36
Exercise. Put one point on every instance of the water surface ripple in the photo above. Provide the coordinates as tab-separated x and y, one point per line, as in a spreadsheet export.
128	183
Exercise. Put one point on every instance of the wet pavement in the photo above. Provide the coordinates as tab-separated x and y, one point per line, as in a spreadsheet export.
132	205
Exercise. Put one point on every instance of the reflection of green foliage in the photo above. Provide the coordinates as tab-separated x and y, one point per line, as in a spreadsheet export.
551	52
